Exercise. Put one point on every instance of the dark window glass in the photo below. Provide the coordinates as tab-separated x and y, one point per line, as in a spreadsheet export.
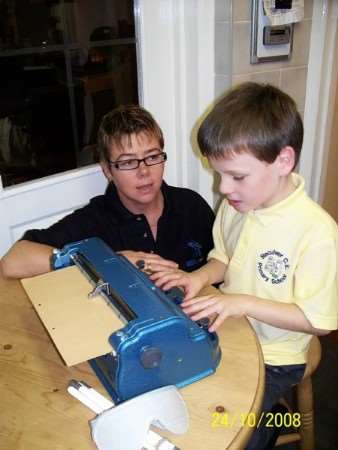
63	65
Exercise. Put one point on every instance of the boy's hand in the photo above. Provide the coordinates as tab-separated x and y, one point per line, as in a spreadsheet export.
221	305
191	283
150	261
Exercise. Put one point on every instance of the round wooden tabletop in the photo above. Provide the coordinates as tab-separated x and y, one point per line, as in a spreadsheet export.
38	413
225	407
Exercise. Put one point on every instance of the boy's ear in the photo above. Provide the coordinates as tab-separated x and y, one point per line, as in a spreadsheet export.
106	170
286	159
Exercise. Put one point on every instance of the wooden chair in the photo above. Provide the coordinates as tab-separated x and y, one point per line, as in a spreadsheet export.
305	433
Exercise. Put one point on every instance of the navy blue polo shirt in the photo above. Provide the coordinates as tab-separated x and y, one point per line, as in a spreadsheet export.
184	232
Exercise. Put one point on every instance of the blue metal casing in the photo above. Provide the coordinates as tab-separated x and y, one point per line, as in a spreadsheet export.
159	345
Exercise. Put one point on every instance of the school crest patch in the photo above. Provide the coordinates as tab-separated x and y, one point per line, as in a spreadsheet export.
273	266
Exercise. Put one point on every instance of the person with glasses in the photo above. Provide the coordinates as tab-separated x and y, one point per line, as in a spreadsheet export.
156	226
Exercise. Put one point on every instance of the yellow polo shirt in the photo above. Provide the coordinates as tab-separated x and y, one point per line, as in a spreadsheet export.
287	253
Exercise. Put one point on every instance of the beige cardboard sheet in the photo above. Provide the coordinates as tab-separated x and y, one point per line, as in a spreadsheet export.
79	326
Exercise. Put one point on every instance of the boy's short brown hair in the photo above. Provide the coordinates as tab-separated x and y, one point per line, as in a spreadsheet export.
122	122
253	117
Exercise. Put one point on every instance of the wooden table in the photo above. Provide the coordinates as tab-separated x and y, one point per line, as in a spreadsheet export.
37	413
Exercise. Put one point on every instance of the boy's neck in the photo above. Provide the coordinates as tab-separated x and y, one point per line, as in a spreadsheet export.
290	186
287	187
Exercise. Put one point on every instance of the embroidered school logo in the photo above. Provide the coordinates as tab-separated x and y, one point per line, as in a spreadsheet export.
196	254
273	266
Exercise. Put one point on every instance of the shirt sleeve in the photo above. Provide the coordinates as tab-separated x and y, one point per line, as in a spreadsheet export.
316	284
219	251
80	224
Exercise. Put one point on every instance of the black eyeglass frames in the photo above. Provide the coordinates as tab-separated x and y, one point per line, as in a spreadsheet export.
131	164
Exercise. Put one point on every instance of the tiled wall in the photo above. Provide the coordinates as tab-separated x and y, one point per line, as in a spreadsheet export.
289	75
223	46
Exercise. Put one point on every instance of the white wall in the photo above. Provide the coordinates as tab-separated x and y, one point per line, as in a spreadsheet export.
177	56
320	90
40	203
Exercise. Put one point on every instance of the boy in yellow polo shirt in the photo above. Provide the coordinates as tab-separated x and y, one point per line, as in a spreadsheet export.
275	250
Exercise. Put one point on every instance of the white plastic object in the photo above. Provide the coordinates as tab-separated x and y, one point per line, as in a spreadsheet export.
128	423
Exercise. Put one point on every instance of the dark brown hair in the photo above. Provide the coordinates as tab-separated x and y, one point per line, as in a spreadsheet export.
253	117
122	122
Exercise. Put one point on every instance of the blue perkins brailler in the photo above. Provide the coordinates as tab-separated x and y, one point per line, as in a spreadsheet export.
159	344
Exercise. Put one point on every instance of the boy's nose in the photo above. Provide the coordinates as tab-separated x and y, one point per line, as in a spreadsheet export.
225	187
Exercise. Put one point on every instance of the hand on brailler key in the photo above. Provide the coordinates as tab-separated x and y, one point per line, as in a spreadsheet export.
221	305
191	283
149	262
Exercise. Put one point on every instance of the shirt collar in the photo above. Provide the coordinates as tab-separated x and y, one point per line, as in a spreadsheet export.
115	203
266	215
171	205
124	213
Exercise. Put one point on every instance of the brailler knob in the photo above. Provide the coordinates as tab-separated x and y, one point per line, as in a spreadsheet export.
150	357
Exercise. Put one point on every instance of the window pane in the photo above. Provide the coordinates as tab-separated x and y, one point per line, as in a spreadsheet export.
63	65
30	23
109	79
35	117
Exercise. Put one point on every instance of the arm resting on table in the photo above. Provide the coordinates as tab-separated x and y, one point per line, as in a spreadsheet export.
26	259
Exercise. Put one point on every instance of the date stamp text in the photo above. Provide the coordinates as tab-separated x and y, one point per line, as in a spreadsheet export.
252	420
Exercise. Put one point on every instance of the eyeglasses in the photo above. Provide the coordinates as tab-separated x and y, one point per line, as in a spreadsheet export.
131	164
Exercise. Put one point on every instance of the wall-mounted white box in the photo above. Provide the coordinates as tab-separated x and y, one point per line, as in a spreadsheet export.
268	43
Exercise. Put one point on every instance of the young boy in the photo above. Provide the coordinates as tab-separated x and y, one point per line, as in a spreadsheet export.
139	216
275	250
